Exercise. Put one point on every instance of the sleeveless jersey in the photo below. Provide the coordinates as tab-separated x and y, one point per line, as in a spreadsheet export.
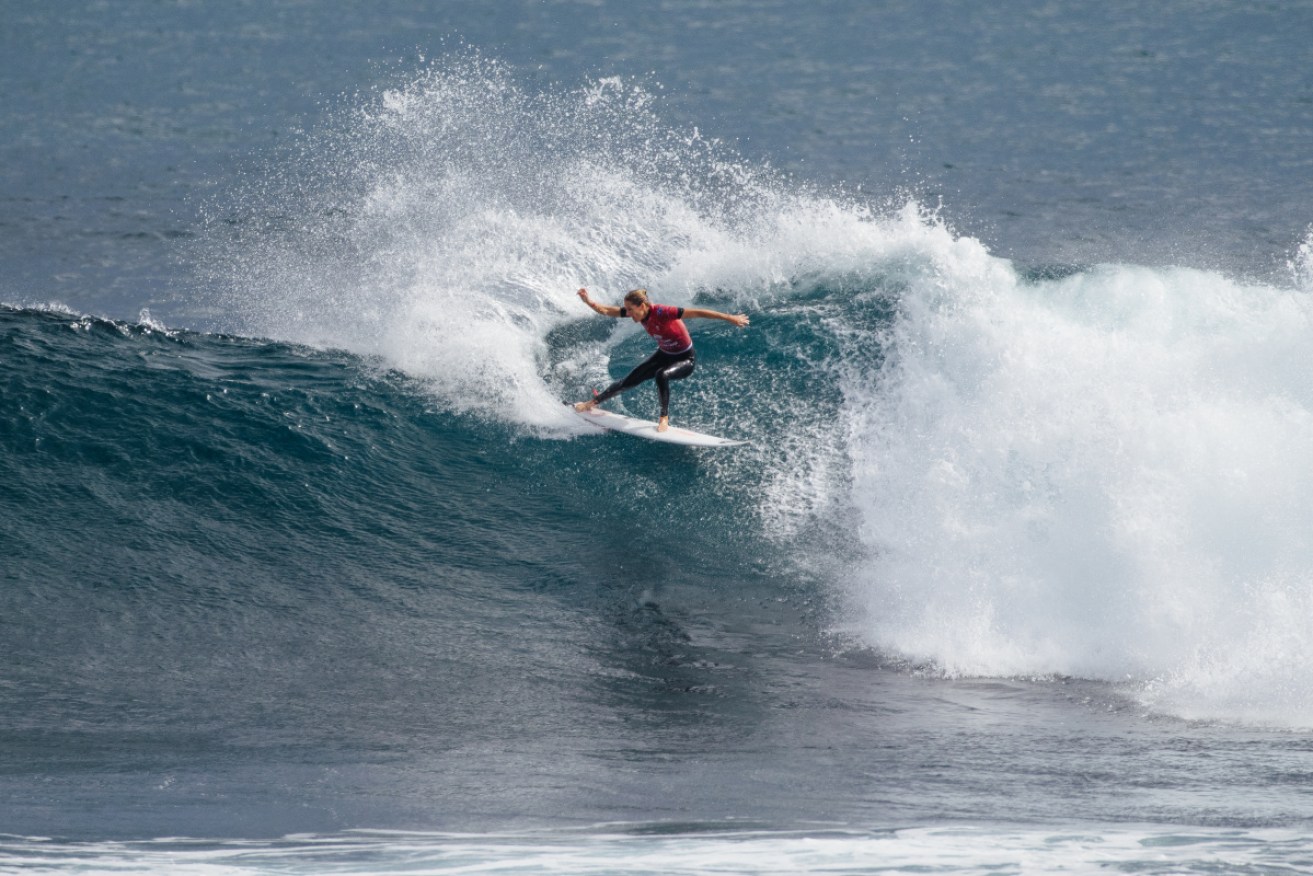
666	324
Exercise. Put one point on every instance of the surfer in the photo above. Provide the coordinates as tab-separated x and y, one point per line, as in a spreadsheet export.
674	358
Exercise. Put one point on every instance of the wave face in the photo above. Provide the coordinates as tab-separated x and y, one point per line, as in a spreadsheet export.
1098	472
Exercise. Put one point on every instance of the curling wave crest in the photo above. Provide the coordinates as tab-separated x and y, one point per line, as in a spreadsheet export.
1103	472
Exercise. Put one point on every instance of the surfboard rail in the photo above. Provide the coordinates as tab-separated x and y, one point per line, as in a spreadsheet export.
614	422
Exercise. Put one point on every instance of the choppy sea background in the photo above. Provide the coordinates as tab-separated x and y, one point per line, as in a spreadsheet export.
304	568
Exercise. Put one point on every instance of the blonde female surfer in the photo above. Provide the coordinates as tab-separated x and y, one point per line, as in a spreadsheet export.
674	358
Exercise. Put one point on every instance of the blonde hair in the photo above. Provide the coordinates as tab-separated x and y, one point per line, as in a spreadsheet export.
636	297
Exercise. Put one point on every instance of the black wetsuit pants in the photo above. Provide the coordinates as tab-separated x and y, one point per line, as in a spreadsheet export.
662	367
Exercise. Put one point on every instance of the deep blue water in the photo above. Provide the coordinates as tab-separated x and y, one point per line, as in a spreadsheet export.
304	562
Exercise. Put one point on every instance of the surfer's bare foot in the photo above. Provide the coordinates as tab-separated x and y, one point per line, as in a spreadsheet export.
663	424
586	406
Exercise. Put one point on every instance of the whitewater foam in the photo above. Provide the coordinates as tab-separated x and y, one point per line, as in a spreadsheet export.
1301	264
667	850
1105	476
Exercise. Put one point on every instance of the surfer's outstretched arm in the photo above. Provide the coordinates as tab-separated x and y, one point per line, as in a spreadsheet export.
604	309
738	319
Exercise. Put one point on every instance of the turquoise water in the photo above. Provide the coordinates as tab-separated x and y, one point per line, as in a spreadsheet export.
307	568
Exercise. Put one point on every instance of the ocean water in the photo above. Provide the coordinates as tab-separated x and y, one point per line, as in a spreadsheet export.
305	568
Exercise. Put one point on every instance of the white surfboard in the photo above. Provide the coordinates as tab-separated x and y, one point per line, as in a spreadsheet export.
648	429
